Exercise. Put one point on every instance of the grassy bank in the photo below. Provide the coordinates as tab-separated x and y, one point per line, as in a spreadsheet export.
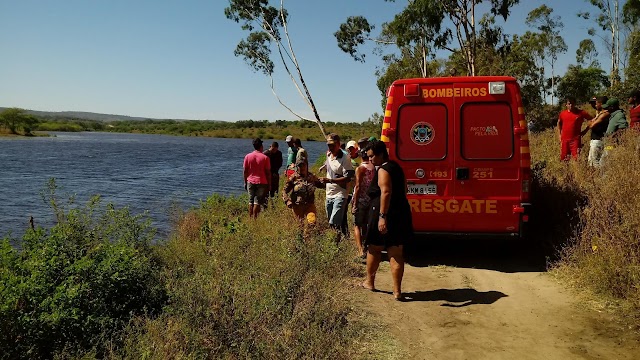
96	285
590	216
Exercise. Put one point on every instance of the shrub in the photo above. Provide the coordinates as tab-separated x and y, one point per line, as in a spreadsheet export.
258	289
595	210
73	288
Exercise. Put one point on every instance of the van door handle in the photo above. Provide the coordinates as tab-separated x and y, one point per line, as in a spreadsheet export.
462	173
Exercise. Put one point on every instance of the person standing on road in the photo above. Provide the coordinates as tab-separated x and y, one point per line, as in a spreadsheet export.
351	149
291	157
570	129
339	173
360	203
598	127
390	223
275	159
257	177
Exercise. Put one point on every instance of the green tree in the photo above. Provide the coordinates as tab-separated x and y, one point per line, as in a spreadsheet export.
267	27
609	19
424	24
552	43
586	54
15	118
583	83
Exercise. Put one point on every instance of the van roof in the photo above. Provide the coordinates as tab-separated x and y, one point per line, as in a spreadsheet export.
456	79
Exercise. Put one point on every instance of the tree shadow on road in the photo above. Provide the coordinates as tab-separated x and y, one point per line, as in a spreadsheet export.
456	297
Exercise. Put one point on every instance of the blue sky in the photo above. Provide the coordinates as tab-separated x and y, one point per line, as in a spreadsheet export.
174	59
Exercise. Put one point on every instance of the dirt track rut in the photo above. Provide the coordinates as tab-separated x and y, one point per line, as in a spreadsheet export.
486	305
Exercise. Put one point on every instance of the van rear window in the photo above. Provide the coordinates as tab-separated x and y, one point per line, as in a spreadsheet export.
487	131
422	132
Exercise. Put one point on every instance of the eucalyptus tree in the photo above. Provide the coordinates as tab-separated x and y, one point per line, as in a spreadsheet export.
586	54
267	27
552	42
631	18
424	24
608	18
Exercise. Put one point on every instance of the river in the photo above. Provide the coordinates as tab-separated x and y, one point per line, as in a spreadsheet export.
154	173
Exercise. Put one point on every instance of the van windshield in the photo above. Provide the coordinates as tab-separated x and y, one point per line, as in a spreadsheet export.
487	131
422	132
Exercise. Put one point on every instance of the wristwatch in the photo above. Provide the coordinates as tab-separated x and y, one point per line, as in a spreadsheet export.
382	215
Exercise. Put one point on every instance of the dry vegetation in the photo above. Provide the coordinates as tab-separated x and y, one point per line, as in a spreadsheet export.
260	289
591	217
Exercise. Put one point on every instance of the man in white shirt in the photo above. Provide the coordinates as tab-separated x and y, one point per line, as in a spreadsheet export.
339	173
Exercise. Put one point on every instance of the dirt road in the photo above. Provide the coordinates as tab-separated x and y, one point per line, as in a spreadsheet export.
469	301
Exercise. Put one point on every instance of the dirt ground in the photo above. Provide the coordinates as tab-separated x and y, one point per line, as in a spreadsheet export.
476	300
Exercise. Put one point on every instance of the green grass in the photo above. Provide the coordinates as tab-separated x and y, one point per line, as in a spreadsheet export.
591	217
221	286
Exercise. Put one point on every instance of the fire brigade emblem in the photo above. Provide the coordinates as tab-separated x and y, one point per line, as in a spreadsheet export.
422	133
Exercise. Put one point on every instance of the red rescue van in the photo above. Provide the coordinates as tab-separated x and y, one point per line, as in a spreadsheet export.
464	146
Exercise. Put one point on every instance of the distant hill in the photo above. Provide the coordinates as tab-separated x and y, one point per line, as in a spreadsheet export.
83	115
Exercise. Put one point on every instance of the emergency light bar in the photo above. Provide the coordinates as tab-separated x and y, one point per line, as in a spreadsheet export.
497	88
411	90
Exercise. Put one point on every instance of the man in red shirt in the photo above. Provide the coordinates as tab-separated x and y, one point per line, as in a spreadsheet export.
570	129
257	177
634	111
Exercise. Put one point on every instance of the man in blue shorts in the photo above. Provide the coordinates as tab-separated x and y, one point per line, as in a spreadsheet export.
339	173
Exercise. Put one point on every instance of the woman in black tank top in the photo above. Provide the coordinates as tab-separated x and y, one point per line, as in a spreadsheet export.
389	218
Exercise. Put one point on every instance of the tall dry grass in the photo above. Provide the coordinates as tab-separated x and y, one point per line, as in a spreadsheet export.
592	217
251	289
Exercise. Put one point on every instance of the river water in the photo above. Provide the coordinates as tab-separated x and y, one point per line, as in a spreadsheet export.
154	173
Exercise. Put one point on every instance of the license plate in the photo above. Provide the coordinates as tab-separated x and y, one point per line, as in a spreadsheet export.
429	189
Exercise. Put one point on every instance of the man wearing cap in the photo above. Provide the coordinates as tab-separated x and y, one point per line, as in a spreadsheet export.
570	129
618	120
291	157
301	153
257	177
339	173
352	150
598	127
362	143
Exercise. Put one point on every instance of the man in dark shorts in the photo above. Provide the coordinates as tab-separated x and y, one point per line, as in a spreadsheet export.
275	158
257	177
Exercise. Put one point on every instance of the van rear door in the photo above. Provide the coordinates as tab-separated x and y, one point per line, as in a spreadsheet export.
486	161
424	149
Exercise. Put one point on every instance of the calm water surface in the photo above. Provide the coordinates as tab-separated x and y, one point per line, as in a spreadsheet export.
151	173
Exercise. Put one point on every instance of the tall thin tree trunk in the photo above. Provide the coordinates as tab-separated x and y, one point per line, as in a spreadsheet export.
473	38
553	81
